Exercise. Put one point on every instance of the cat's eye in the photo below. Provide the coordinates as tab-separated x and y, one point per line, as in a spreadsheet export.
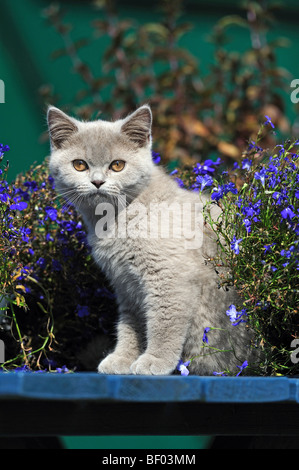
80	165
117	165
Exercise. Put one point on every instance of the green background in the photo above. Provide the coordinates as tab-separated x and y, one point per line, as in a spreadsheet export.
26	44
136	442
27	41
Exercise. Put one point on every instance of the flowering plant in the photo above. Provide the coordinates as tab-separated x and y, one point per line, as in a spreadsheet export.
56	300
258	236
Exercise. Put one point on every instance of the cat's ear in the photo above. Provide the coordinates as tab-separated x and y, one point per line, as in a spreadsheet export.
61	127
138	126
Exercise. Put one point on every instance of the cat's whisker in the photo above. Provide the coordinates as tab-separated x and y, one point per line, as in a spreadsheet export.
122	202
127	199
80	201
72	200
67	205
64	193
113	190
130	193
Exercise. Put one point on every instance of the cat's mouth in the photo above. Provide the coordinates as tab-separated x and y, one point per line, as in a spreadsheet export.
99	196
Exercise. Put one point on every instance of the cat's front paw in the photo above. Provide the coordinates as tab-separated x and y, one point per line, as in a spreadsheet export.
115	364
147	364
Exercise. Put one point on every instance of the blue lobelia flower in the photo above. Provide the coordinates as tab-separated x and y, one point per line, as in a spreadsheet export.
204	180
242	367
18	206
278	197
82	311
180	182
247	224
246	164
235	316
235	245
182	367
252	145
268	247
230	187
51	213
62	370
217	194
4	197
41	263
288	253
25	232
25	271
232	313
206	167
261	175
51	181
221	191
272	168
269	122
205	335
32	185
4	148
223	374
156	157
287	213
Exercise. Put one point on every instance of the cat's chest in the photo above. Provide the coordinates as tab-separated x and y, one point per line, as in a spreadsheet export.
116	257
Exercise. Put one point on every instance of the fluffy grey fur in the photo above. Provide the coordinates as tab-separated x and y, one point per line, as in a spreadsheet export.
167	291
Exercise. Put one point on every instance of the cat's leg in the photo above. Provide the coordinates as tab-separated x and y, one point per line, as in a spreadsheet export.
168	320
127	348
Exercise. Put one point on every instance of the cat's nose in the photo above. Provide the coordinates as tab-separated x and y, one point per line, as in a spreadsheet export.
97	183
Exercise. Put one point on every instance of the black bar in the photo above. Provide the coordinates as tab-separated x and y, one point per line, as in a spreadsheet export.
44	418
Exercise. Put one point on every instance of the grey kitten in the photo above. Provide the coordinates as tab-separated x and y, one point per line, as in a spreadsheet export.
148	236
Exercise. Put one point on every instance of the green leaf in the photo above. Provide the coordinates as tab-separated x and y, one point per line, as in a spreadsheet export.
232	20
156	28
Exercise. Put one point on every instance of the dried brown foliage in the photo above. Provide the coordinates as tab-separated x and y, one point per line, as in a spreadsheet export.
196	115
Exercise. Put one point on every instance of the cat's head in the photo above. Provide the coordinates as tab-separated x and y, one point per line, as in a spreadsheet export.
92	161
